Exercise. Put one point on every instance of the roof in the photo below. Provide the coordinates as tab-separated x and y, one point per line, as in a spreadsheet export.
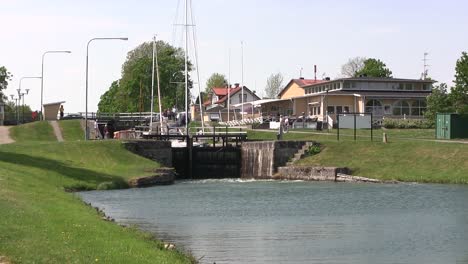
375	79
301	83
234	91
55	103
222	91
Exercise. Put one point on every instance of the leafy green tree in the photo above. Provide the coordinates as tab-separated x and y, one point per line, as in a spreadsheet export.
438	102
374	68
459	93
274	85
215	80
134	87
5	76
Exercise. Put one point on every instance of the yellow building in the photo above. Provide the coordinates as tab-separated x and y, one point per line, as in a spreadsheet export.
383	97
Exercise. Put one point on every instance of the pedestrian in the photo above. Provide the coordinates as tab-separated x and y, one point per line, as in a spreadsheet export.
97	132
61	111
280	129
106	132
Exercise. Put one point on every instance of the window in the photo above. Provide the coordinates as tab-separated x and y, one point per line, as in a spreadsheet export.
240	97
346	109
418	107
353	85
339	109
401	108
374	106
318	110
409	86
346	85
330	109
401	86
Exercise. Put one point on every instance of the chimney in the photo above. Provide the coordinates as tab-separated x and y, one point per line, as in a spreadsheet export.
236	85
302	78
315	72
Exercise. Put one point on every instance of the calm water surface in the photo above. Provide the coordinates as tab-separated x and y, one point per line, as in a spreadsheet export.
230	221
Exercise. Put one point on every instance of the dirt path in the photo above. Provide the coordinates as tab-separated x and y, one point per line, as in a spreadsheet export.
5	135
57	131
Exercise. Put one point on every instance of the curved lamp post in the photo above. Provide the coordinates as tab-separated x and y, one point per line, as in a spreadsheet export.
42	75
86	108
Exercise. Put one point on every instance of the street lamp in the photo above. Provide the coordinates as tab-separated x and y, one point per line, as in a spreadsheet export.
27	90
16	106
42	75
87	56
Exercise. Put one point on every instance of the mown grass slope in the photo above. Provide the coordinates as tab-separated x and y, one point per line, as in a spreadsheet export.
35	131
71	130
403	160
41	223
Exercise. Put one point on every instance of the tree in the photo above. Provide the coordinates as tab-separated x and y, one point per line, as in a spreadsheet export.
5	76
374	68
134	88
459	93
216	80
438	102
274	85
353	66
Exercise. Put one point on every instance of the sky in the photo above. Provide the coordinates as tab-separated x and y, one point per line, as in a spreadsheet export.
277	36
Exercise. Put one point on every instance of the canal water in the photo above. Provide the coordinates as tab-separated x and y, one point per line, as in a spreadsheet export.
234	221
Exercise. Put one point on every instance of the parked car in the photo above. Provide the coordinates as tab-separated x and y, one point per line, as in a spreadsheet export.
72	116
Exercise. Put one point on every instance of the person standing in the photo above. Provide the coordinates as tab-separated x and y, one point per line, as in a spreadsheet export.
61	111
97	132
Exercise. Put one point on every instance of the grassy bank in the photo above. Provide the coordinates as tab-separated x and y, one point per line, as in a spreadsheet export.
41	223
71	130
403	160
35	131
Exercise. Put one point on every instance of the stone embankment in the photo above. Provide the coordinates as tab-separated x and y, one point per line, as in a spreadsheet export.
333	174
163	176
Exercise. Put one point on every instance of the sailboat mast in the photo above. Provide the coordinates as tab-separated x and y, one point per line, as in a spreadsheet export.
229	85
242	79
159	87
152	87
186	67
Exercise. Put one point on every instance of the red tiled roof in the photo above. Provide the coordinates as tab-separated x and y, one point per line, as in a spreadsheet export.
306	82
233	91
221	91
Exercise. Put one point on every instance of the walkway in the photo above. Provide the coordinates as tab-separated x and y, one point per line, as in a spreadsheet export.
57	131
5	135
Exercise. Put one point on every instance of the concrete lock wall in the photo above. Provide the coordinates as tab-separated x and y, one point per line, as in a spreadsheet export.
260	160
310	173
159	151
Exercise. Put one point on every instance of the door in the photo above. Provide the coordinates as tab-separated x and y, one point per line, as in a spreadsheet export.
443	126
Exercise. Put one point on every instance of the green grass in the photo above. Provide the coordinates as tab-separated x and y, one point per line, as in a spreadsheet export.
41	223
363	134
71	130
403	160
35	131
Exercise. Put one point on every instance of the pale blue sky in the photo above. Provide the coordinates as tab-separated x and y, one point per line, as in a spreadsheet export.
278	36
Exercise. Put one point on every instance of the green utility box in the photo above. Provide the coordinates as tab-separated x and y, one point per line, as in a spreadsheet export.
450	126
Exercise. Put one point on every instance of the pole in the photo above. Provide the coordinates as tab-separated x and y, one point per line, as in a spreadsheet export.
229	85
186	69
242	79
23	107
42	75
86	96
159	88
152	88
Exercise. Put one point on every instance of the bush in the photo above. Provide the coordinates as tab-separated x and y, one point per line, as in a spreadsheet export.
408	123
113	185
313	150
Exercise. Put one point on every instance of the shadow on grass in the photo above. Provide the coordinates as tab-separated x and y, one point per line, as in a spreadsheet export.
89	179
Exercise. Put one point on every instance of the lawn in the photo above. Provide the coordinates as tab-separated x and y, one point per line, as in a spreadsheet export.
71	130
41	223
35	131
403	160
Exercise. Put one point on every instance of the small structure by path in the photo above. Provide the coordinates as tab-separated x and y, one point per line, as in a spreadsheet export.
57	131
5	135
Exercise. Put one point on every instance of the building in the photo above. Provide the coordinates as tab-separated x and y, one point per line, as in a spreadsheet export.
383	97
220	98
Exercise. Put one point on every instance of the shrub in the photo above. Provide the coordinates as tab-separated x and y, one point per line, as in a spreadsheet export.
313	150
408	123
112	185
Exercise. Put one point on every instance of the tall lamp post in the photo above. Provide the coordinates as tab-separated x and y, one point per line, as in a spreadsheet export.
42	75
16	106
21	95
87	59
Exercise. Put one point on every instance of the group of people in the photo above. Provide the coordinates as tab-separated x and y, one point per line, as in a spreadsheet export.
107	131
170	114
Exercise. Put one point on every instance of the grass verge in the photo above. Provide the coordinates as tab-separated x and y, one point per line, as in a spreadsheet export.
71	130
35	131
41	223
402	160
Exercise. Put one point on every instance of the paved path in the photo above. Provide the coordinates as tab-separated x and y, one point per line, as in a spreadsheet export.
57	131
5	135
